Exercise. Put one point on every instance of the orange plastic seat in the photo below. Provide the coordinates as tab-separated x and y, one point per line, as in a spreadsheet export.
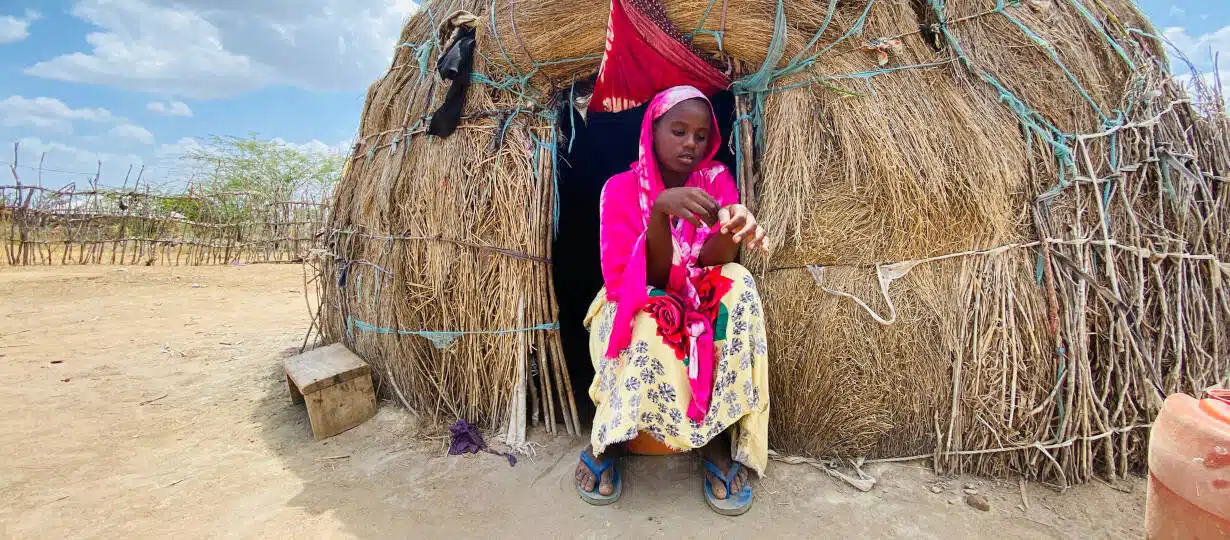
645	445
1189	468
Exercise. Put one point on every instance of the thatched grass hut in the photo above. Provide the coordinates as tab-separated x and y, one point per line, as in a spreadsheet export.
999	227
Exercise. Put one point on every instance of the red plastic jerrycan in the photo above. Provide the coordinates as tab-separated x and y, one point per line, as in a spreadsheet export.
1189	468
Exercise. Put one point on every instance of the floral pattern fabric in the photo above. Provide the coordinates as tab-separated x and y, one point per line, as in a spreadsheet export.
674	319
625	210
646	387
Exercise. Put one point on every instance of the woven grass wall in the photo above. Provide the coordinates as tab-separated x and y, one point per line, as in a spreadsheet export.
1000	249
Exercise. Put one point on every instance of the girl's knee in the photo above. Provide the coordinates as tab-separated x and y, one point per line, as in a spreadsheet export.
736	271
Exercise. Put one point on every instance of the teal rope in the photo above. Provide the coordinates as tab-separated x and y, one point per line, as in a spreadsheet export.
424	55
757	83
828	18
860	75
883	71
701	23
700	29
736	139
717	36
519	79
554	177
1080	7
572	119
1031	121
1137	31
441	339
1120	118
568	60
515	84
795	65
857	28
1039	266
1050	51
432	19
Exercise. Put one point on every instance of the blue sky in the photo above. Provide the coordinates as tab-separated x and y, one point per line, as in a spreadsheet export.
1197	28
140	81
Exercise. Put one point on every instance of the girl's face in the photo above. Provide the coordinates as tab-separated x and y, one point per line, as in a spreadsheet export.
681	136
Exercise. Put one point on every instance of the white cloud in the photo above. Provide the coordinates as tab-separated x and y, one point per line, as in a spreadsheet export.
46	113
1207	77
1210	80
316	147
1177	12
60	154
169	108
13	29
179	148
152	48
132	132
69	161
77	159
1199	49
207	49
66	163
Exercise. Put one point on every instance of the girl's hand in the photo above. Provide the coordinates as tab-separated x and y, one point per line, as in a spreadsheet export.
690	203
738	221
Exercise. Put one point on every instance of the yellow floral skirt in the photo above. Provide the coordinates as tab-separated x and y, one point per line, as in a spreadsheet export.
646	389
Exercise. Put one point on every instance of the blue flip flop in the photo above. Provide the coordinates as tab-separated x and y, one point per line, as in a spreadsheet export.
735	504
593	497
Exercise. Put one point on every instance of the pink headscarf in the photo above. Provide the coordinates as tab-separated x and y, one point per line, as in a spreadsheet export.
627	201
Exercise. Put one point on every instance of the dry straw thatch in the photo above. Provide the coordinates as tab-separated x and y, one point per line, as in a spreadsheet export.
1000	250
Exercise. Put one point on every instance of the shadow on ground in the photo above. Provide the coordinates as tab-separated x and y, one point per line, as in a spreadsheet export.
385	479
394	482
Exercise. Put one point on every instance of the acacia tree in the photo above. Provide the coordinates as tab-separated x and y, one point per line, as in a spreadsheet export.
270	168
266	170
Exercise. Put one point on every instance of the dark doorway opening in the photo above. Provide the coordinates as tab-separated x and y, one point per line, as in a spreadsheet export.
603	145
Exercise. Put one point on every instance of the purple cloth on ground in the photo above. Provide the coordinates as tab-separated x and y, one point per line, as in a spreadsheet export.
467	440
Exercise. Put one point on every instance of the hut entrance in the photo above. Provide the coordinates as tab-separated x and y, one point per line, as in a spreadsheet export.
604	144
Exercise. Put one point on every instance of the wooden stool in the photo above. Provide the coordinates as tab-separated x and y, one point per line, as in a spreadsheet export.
337	386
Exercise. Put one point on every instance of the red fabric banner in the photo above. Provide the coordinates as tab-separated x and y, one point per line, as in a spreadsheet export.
642	59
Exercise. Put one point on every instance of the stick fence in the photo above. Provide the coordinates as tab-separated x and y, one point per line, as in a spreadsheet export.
135	225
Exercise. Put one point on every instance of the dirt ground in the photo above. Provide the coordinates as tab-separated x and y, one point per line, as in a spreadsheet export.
149	402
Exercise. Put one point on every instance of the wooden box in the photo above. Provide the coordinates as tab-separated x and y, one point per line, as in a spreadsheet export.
335	384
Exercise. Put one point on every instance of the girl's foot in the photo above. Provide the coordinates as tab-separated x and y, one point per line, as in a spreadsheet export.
587	481
717	452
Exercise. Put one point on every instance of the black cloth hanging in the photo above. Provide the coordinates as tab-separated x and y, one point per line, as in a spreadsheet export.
454	65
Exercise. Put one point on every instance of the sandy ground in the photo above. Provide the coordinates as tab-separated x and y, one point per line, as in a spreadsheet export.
137	405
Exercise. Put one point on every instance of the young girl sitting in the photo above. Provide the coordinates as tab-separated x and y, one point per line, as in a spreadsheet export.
677	335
